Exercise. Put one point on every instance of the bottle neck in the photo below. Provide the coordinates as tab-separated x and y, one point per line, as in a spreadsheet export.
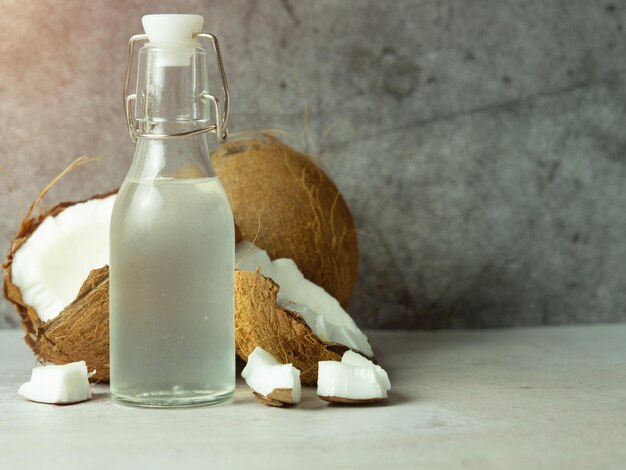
182	157
170	85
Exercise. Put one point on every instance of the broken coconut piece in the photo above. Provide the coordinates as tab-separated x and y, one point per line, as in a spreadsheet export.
64	384
274	383
355	379
321	312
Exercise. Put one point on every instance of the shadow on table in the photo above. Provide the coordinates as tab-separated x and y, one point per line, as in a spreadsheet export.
415	360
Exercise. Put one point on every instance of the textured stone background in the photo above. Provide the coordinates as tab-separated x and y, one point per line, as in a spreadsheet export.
480	144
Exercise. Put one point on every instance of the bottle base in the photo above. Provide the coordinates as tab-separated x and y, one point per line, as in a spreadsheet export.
173	399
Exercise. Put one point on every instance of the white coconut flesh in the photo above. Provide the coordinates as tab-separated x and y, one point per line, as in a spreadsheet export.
51	266
265	375
64	384
354	379
321	311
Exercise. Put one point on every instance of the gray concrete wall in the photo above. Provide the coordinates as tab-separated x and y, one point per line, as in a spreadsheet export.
480	144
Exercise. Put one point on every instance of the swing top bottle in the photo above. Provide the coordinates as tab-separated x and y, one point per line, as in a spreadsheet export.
172	232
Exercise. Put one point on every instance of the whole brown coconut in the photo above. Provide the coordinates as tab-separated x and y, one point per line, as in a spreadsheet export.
290	208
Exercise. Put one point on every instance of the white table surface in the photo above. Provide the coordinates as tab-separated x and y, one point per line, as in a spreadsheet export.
525	398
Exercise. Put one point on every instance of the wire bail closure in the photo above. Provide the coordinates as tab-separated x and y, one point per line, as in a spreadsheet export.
220	128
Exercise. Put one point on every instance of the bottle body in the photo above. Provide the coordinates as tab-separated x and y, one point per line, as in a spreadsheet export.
172	280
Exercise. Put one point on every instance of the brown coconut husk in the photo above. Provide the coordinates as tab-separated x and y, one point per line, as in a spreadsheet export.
300	212
282	333
81	331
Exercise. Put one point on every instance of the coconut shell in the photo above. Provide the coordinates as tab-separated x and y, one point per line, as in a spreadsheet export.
30	319
259	321
81	331
288	206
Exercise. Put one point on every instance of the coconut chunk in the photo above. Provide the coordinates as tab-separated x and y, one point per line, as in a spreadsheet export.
355	379
272	381
50	267
64	384
321	311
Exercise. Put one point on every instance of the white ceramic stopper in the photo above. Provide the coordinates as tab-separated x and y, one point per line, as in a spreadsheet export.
173	33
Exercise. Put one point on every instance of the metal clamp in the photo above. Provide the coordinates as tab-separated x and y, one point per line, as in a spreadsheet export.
220	128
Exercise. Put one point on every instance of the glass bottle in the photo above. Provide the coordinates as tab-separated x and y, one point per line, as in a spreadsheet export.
172	234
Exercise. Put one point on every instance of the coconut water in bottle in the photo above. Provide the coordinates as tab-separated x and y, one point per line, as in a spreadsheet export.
172	233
